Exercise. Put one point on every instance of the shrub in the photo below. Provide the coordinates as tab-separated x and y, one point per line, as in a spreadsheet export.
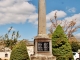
61	58
75	46
19	52
60	45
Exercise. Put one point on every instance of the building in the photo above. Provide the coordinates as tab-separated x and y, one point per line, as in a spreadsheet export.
30	48
5	54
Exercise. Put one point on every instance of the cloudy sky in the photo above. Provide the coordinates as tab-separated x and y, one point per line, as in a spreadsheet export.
22	15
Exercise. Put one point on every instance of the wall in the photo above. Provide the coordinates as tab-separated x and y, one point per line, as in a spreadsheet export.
2	55
30	50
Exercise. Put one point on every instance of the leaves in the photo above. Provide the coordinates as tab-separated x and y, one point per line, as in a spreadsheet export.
19	52
75	46
10	29
10	41
60	44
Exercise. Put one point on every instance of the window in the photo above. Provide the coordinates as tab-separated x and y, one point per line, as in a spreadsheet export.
6	55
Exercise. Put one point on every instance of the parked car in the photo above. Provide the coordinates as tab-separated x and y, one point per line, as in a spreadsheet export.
76	56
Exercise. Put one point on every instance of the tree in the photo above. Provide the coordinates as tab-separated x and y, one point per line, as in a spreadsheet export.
60	45
69	27
11	41
19	52
75	46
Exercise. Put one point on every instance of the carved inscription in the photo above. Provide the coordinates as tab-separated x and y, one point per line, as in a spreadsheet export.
43	46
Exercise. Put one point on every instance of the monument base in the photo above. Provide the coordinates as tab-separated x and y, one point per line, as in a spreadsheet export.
42	48
42	57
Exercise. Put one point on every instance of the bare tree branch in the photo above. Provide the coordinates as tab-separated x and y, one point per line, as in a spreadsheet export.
69	27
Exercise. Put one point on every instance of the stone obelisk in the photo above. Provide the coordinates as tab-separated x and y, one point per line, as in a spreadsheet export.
42	43
41	17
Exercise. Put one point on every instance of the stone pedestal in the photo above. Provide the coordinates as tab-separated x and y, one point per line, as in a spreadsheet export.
42	48
42	57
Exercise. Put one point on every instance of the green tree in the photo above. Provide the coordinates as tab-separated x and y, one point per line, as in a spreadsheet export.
60	45
19	52
75	46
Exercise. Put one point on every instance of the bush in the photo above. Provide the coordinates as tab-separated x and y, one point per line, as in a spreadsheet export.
19	52
60	45
64	58
75	46
61	58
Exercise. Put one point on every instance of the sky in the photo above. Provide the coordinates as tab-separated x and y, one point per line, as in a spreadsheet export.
22	15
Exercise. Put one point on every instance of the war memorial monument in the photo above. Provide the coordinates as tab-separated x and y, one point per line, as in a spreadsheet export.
42	43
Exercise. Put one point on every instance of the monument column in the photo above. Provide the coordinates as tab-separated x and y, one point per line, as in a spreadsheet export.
41	17
42	43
